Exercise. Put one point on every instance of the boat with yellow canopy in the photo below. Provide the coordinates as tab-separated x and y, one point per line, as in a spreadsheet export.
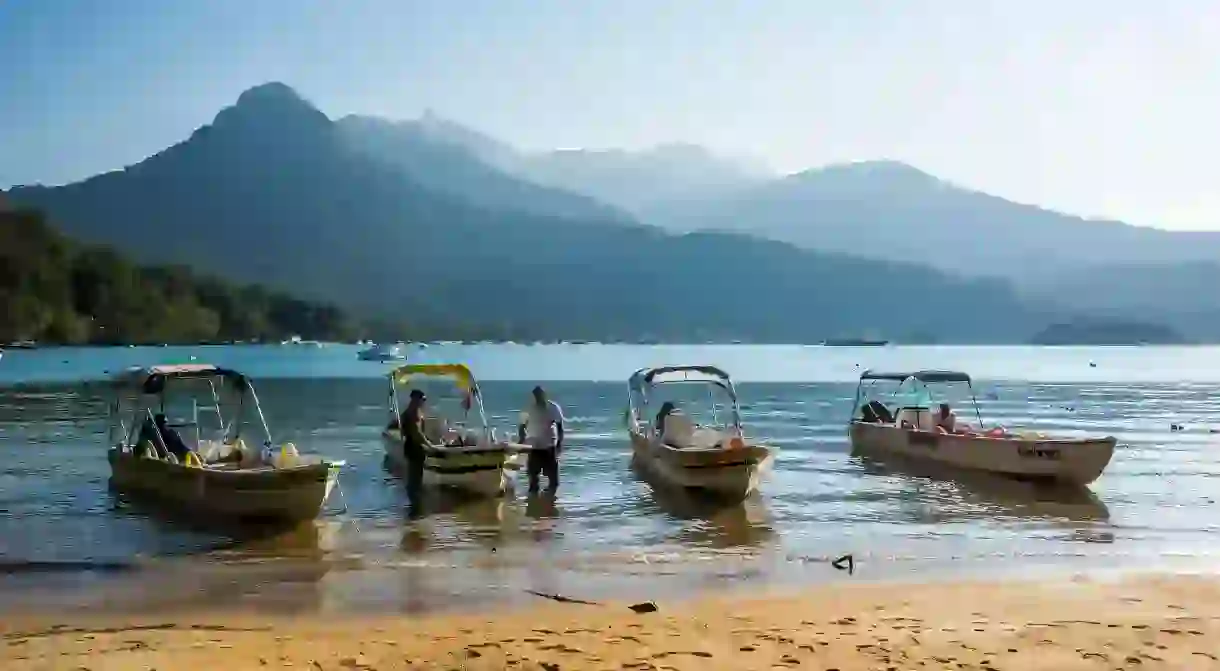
207	471
465	453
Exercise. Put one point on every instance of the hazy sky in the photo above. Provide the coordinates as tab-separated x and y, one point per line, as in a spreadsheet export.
1097	107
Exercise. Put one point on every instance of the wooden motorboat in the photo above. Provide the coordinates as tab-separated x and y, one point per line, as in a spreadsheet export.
715	458
466	453
912	431
210	471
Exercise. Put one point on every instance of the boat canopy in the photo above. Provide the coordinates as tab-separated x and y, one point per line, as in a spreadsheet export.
663	374
641	381
457	371
151	379
925	376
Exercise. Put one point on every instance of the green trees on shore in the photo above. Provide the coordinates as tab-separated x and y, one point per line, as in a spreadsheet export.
53	290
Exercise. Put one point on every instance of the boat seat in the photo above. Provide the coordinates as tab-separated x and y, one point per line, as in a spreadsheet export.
707	438
920	418
679	431
435	428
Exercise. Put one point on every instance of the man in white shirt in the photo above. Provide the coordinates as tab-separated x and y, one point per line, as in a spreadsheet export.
542	428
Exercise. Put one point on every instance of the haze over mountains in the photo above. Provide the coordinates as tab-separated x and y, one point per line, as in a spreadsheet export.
430	220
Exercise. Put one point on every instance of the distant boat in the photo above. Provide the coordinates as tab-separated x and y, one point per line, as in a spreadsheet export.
383	353
296	340
23	344
854	342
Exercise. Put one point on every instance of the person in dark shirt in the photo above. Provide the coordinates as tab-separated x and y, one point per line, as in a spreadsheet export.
667	408
414	443
173	441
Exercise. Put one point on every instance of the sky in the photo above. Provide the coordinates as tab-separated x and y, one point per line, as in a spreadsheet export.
1099	108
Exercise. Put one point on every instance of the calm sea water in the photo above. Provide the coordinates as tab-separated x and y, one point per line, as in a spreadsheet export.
66	540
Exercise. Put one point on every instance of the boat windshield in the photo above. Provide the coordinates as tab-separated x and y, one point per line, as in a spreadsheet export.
913	393
451	391
708	405
194	410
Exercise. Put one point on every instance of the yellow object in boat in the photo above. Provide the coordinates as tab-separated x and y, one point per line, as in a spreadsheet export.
287	456
192	461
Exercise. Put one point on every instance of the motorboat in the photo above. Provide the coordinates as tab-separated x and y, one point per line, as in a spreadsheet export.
383	353
466	453
297	341
716	457
210	472
912	430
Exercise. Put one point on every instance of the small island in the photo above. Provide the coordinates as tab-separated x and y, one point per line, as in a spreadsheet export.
1107	332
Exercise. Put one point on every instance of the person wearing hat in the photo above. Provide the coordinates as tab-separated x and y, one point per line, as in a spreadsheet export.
543	422
414	442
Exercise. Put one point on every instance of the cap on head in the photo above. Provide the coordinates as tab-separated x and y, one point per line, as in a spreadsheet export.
417	395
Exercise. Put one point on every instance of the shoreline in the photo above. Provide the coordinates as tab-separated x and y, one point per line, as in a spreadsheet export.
1155	620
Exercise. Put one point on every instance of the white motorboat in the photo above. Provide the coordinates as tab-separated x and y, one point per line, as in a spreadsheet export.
466	453
384	353
912	430
212	475
716	458
297	341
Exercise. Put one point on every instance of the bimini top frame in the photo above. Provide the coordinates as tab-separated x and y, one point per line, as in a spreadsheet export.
925	377
644	379
156	381
461	376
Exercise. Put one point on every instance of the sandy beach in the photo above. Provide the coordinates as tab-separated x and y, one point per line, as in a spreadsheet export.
1146	622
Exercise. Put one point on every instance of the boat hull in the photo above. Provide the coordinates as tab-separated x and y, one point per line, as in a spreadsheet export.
482	470
1078	461
727	473
262	493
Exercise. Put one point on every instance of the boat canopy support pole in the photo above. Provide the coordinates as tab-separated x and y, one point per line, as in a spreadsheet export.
258	407
974	399
855	404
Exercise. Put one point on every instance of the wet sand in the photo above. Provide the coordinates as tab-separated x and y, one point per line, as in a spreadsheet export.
1148	622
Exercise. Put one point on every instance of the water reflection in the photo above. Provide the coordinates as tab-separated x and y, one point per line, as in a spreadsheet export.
711	522
443	518
960	494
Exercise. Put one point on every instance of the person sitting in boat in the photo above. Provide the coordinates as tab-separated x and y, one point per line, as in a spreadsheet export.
173	441
945	419
667	408
875	412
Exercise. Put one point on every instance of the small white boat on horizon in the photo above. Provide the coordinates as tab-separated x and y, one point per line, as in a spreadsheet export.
384	353
296	340
913	431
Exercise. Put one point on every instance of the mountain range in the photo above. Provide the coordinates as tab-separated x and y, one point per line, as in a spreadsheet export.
429	220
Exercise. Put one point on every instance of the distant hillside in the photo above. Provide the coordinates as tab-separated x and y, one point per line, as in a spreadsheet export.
642	182
1107	332
891	211
441	164
55	291
273	192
